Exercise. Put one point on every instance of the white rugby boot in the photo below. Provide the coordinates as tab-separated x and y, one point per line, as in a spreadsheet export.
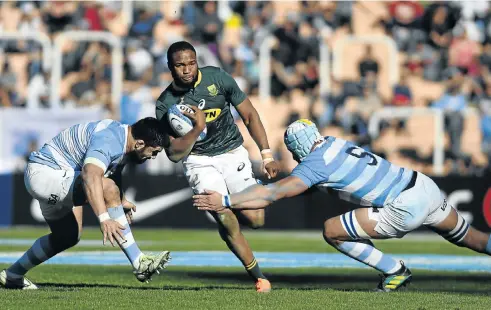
20	284
151	264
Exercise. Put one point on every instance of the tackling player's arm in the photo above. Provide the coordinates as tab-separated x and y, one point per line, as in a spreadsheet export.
251	120
178	148
92	175
128	206
254	197
96	161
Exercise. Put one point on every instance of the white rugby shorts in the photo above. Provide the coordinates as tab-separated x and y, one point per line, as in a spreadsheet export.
52	188
423	204
226	173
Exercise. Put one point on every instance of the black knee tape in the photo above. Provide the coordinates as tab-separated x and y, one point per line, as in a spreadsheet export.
457	234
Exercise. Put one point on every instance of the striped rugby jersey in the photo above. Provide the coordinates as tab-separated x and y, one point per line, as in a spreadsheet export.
102	143
358	176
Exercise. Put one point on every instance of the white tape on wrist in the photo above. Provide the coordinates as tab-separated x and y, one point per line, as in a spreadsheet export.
267	154
226	201
268	160
104	217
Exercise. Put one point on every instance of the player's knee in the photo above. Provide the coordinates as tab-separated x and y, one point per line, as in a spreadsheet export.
66	240
330	234
257	221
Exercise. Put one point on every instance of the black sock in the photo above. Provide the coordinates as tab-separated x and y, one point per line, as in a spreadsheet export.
254	271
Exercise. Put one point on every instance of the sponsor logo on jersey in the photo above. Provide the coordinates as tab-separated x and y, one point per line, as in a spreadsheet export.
212	90
241	166
212	114
201	104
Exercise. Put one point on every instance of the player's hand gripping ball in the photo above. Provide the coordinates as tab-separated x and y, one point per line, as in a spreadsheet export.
180	123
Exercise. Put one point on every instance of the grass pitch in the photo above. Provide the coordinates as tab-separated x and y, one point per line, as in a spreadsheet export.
114	287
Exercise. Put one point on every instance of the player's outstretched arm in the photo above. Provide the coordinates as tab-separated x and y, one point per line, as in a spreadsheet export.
179	148
254	197
256	129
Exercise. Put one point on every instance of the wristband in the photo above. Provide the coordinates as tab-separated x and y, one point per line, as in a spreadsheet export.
266	153
104	217
226	201
268	160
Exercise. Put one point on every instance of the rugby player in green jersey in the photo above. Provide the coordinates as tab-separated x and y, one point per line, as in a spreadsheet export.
218	162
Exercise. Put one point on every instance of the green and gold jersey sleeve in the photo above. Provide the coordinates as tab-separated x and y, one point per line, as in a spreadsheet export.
164	102
233	93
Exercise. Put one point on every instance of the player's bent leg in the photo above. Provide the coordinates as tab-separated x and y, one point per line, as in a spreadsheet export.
237	169
229	230
65	233
456	230
145	266
202	173
350	234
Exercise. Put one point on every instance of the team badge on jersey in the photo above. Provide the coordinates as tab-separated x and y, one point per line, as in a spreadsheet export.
212	90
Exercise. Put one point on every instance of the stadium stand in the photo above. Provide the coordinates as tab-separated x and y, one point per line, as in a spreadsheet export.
443	52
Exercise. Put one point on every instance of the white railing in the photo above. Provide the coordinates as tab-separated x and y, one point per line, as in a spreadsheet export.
127	9
324	67
39	37
390	113
116	56
388	41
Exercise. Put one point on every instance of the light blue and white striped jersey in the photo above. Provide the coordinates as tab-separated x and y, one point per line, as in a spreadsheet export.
102	143
359	176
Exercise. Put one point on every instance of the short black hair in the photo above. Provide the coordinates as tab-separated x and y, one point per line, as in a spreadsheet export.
150	130
177	47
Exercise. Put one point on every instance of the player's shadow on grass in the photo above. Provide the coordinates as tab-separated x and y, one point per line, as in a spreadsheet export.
365	281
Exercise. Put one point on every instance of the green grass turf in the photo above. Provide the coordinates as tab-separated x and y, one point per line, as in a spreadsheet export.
91	287
208	240
114	287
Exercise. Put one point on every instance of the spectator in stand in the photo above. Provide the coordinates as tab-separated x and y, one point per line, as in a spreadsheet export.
485	57
332	103
368	65
404	24
453	103
327	18
58	15
208	24
142	27
485	112
402	97
8	94
438	21
359	110
424	62
464	52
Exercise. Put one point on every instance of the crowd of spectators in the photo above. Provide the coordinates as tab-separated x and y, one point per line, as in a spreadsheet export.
446	43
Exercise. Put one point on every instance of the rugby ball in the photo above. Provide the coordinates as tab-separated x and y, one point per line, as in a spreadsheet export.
180	123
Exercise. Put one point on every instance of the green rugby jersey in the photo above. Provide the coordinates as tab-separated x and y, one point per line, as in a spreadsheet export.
214	92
